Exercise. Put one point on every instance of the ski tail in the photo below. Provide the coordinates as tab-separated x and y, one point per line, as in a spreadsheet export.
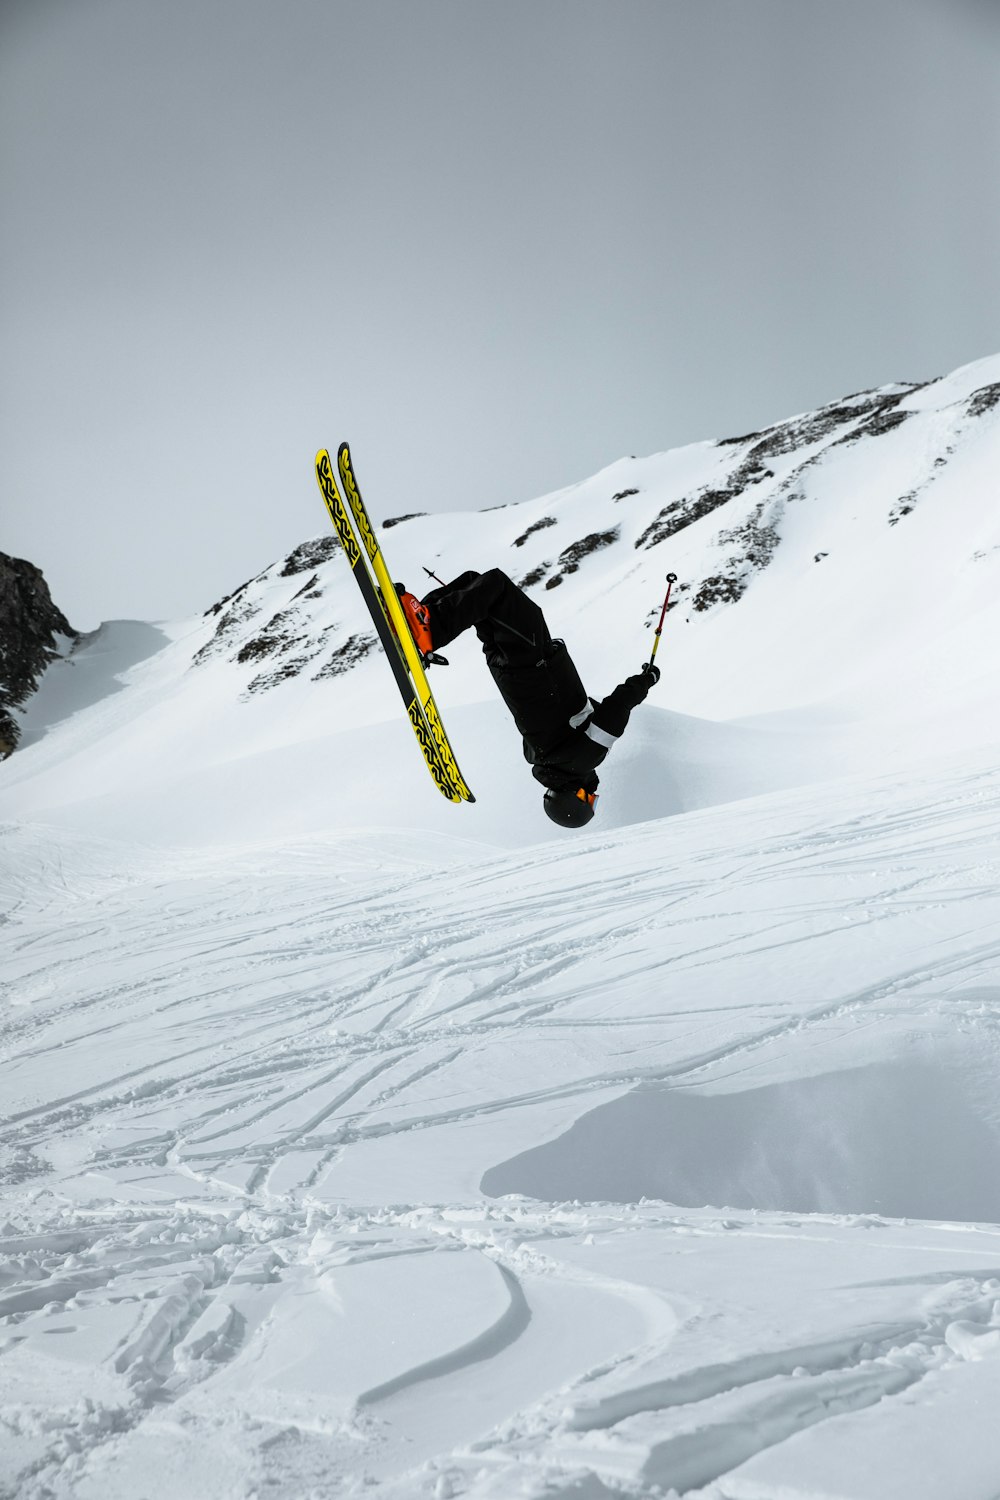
416	711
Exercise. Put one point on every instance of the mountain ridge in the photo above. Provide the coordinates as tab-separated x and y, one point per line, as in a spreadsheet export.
838	584
749	529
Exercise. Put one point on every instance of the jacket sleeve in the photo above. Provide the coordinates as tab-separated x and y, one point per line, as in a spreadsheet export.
578	755
611	715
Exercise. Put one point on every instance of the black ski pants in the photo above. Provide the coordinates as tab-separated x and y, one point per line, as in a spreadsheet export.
507	622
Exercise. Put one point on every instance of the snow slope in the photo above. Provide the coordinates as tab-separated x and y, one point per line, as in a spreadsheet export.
854	554
356	1143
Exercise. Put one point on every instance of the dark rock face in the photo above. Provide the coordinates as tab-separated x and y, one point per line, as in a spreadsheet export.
519	541
535	576
570	557
680	513
29	623
354	649
391	521
279	644
868	414
309	555
755	540
984	400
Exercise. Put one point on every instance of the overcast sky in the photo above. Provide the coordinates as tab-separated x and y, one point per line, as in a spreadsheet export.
497	244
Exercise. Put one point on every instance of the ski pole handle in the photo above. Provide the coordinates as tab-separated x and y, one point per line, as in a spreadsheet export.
671	580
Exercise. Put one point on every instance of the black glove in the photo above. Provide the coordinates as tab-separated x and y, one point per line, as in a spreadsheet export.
652	671
639	685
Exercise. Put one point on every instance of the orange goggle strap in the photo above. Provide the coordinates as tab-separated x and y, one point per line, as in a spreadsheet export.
584	796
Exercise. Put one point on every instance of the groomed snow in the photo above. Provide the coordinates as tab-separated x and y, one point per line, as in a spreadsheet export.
360	1144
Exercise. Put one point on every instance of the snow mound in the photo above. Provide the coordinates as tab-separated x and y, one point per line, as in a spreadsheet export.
899	1138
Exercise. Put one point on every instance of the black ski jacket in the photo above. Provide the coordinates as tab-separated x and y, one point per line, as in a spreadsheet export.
566	734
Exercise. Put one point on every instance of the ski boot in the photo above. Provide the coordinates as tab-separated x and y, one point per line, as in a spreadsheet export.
418	618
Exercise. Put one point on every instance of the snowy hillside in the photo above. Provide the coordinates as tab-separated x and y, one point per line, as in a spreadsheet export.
839	585
361	1144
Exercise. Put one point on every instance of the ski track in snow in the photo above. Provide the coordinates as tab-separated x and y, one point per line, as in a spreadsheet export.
422	1160
194	1058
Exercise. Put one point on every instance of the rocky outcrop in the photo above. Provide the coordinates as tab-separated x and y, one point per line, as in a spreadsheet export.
29	624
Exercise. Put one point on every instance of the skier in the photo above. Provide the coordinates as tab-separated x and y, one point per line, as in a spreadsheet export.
566	735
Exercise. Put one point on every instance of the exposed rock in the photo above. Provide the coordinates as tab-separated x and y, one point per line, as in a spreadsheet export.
720	588
880	422
535	576
903	506
29	624
868	414
281	644
309	555
984	400
519	541
756	540
783	437
802	432
981	401
236	610
277	635
624	494
284	669
391	521
353	650
220	604
311	589
571	557
290	653
681	513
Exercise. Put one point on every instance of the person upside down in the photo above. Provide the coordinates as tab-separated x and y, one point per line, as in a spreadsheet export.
566	734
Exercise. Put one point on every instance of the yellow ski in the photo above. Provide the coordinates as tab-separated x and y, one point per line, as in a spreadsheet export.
394	609
420	721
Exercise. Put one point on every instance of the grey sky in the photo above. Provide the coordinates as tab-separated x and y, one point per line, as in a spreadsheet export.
496	245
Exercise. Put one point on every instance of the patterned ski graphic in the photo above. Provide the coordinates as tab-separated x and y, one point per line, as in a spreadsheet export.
391	601
415	710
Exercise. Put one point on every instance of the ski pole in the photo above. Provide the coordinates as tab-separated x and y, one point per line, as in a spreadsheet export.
434	576
671	580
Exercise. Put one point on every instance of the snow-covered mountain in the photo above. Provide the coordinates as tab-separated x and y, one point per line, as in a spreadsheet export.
839	579
357	1143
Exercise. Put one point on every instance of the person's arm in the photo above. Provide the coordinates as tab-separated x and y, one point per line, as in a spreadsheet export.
608	721
582	751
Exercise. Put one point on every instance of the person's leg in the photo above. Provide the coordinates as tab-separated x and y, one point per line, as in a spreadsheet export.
502	614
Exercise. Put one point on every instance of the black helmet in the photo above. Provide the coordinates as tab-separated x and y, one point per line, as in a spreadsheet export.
570	809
